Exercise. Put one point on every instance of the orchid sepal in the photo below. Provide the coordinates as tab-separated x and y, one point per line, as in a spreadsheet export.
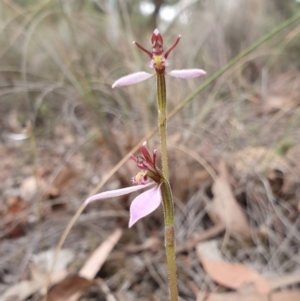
116	193
131	79
187	73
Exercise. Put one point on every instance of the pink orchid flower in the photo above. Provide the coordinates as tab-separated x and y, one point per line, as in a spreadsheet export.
158	62
146	202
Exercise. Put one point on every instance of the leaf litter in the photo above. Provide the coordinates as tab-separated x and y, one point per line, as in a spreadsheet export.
230	275
225	208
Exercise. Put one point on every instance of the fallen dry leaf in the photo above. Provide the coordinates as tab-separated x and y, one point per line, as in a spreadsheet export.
234	275
15	218
282	94
29	188
26	288
230	275
285	296
12	122
99	256
225	209
280	281
40	183
73	290
61	182
256	160
292	179
278	102
71	285
276	296
44	259
32	185
21	291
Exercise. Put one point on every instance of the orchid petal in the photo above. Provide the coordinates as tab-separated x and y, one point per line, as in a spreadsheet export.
173	46
144	204
115	193
146	153
186	73
131	79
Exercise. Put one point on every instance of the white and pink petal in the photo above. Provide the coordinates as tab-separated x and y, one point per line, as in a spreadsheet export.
116	193
144	204
131	79
187	73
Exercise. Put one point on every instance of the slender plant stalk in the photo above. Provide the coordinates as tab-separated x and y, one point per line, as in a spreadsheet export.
166	190
162	122
170	238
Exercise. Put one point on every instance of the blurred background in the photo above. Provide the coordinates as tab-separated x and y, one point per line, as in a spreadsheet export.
63	128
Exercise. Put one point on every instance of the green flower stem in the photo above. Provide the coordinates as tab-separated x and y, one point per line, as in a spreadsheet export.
166	189
162	122
170	237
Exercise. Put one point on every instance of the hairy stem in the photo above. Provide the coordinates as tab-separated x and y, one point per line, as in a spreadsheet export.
170	238
166	190
162	122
